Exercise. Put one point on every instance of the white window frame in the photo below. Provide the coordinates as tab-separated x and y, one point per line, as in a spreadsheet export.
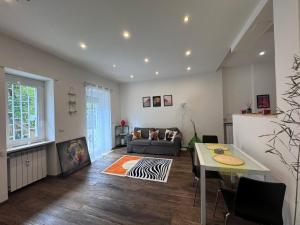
40	85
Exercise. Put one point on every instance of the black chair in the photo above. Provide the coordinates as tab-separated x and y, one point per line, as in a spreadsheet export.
208	175
255	201
210	139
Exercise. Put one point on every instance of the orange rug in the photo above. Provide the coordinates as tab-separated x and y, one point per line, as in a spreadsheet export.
121	166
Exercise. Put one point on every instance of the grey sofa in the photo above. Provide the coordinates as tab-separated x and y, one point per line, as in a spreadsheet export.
160	147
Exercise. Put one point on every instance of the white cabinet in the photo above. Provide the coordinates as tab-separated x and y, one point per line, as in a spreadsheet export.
26	167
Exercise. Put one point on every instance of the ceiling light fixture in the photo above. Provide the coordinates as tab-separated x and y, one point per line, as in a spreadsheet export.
131	76
126	34
83	45
186	19
188	68
156	73
146	60
188	52
114	66
262	53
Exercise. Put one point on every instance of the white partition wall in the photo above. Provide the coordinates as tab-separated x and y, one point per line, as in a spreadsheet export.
3	155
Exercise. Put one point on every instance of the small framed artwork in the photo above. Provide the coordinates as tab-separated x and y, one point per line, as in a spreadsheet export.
168	100
156	101
146	101
263	101
73	155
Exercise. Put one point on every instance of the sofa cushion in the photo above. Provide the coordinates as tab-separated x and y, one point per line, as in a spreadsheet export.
140	142
174	129
170	135
145	131
162	143
161	133
136	135
153	134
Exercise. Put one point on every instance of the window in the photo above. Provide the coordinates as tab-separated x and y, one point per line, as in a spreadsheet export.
25	111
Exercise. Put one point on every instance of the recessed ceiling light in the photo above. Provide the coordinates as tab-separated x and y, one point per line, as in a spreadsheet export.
188	52
262	53
131	76
188	68
186	19
156	73
83	45
126	34
114	66
146	60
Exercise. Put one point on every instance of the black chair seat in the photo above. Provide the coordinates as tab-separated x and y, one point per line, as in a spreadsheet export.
265	216
208	174
255	201
213	175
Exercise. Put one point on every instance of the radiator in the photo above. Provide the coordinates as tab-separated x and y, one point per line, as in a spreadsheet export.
26	167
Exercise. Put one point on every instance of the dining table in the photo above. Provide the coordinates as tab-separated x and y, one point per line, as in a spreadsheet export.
207	156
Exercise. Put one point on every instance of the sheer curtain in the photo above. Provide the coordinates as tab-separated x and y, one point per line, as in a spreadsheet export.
98	121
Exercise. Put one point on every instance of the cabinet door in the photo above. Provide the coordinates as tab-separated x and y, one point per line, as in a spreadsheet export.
34	166
44	162
19	168
24	169
39	165
13	173
29	168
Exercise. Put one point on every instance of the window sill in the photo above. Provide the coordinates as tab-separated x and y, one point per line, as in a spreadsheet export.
26	147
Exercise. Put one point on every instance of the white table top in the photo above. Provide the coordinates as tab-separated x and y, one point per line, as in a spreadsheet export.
251	165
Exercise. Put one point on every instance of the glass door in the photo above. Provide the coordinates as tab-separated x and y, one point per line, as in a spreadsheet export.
98	121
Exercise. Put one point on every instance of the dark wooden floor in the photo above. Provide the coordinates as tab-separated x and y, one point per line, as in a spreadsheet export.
89	197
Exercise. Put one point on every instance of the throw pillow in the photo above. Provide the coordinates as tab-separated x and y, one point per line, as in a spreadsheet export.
153	134
170	135
136	135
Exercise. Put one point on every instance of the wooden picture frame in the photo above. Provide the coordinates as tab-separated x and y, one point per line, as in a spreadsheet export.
146	102
73	155
263	101
168	100
156	101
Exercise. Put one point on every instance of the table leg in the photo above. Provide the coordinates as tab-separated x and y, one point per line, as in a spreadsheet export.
203	196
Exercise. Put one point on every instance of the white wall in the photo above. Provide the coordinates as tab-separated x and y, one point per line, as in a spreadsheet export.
241	85
202	93
3	158
17	55
246	128
246	132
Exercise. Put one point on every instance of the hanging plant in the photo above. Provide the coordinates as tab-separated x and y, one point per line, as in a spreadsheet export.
284	142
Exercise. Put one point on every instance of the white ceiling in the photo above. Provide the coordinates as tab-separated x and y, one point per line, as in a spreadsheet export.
156	26
259	37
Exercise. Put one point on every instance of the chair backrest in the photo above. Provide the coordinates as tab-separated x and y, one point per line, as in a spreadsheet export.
210	139
260	201
192	156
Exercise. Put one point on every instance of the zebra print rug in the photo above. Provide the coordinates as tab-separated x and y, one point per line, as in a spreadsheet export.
153	169
146	168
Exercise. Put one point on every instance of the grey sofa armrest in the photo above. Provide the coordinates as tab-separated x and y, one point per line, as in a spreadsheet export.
129	138
177	139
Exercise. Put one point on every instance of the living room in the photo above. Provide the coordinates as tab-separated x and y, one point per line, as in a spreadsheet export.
175	71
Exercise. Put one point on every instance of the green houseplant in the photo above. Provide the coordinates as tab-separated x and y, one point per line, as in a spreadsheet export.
195	138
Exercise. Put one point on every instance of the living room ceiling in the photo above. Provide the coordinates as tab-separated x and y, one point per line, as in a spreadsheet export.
257	44
130	40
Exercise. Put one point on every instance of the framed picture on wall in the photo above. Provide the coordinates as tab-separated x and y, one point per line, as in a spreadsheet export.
146	101
263	101
168	100
156	101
